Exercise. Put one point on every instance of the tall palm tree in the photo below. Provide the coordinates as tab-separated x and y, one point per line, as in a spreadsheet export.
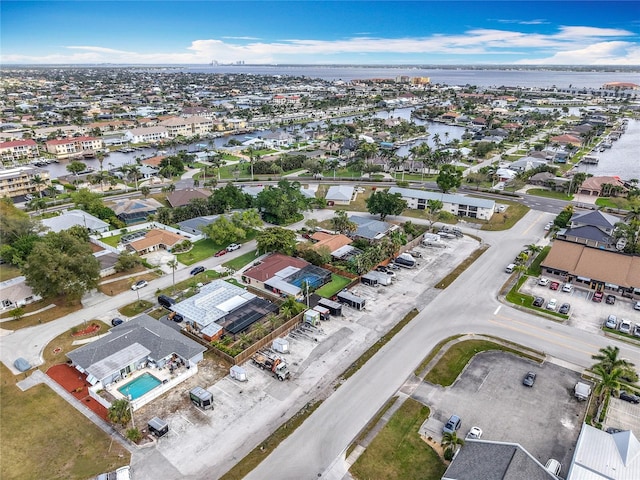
449	442
38	181
173	265
609	381
609	359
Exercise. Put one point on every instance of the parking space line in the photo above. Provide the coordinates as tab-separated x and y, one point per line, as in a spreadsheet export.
497	310
218	388
545	335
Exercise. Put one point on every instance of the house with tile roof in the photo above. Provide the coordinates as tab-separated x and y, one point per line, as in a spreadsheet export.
180	198
156	239
602	186
329	241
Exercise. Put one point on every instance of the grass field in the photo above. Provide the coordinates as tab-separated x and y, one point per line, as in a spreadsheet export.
458	356
398	452
135	308
507	219
336	284
45	437
540	192
239	262
202	249
59	310
8	272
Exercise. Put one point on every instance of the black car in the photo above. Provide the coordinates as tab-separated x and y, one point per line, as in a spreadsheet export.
538	302
529	379
564	308
629	397
176	317
613	430
197	270
611	299
116	321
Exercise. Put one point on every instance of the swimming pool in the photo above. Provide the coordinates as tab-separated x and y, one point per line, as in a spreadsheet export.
140	386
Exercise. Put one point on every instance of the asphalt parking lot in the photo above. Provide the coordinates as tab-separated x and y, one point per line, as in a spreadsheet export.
544	419
622	415
585	314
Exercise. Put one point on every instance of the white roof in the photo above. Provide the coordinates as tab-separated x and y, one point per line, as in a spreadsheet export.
340	193
214	302
286	272
114	363
74	217
283	286
600	455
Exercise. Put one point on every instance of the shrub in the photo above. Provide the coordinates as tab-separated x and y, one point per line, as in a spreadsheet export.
134	435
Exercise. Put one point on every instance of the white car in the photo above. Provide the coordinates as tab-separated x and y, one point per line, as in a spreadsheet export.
637	306
548	226
544	281
567	287
552	305
233	246
475	432
139	284
625	326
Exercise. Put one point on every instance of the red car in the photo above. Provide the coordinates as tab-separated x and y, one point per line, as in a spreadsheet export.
597	297
554	285
220	253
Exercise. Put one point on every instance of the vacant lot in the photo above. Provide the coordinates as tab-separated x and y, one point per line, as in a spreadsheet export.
65	446
398	452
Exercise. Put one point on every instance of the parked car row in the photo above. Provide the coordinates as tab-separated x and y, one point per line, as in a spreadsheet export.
624	326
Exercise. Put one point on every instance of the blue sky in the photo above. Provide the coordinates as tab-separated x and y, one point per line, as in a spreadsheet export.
323	32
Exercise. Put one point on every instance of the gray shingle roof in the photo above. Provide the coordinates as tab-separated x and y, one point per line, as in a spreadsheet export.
161	341
479	459
369	228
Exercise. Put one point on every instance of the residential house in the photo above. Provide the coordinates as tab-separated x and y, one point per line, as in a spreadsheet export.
566	139
71	218
75	147
156	239
179	198
459	205
593	268
18	181
592	228
340	194
548	179
602	186
526	163
195	225
133	210
604	456
16	293
261	272
140	343
146	135
18	150
329	241
370	229
221	307
107	262
481	459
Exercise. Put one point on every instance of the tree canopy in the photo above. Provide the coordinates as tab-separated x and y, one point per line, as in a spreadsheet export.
18	233
384	203
282	204
276	239
62	264
449	178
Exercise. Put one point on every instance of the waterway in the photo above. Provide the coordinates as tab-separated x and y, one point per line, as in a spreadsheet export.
622	159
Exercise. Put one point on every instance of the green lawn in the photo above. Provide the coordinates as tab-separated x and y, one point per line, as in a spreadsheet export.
45	437
239	262
336	284
135	308
458	356
113	240
540	192
202	249
8	272
398	452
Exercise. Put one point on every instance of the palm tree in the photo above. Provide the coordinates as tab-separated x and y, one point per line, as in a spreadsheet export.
38	181
119	412
633	214
533	248
609	381
609	359
449	442
173	265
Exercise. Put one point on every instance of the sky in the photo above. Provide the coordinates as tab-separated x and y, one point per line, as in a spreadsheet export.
424	32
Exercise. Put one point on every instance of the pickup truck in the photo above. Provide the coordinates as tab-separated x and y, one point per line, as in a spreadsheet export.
275	365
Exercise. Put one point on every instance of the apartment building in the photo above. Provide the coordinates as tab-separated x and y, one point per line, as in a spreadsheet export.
187	127
17	150
74	147
18	181
146	134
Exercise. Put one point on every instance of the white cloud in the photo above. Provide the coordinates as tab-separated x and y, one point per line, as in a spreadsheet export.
568	45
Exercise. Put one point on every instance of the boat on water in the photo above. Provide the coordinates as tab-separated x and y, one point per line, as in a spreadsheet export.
590	160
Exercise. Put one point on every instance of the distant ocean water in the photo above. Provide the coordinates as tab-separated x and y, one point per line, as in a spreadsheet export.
479	77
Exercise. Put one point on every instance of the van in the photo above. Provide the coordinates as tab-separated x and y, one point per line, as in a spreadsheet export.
510	268
166	301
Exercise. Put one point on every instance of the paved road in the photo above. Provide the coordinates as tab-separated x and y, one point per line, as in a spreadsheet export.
30	342
470	305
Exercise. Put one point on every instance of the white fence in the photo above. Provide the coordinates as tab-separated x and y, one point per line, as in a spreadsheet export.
165	387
